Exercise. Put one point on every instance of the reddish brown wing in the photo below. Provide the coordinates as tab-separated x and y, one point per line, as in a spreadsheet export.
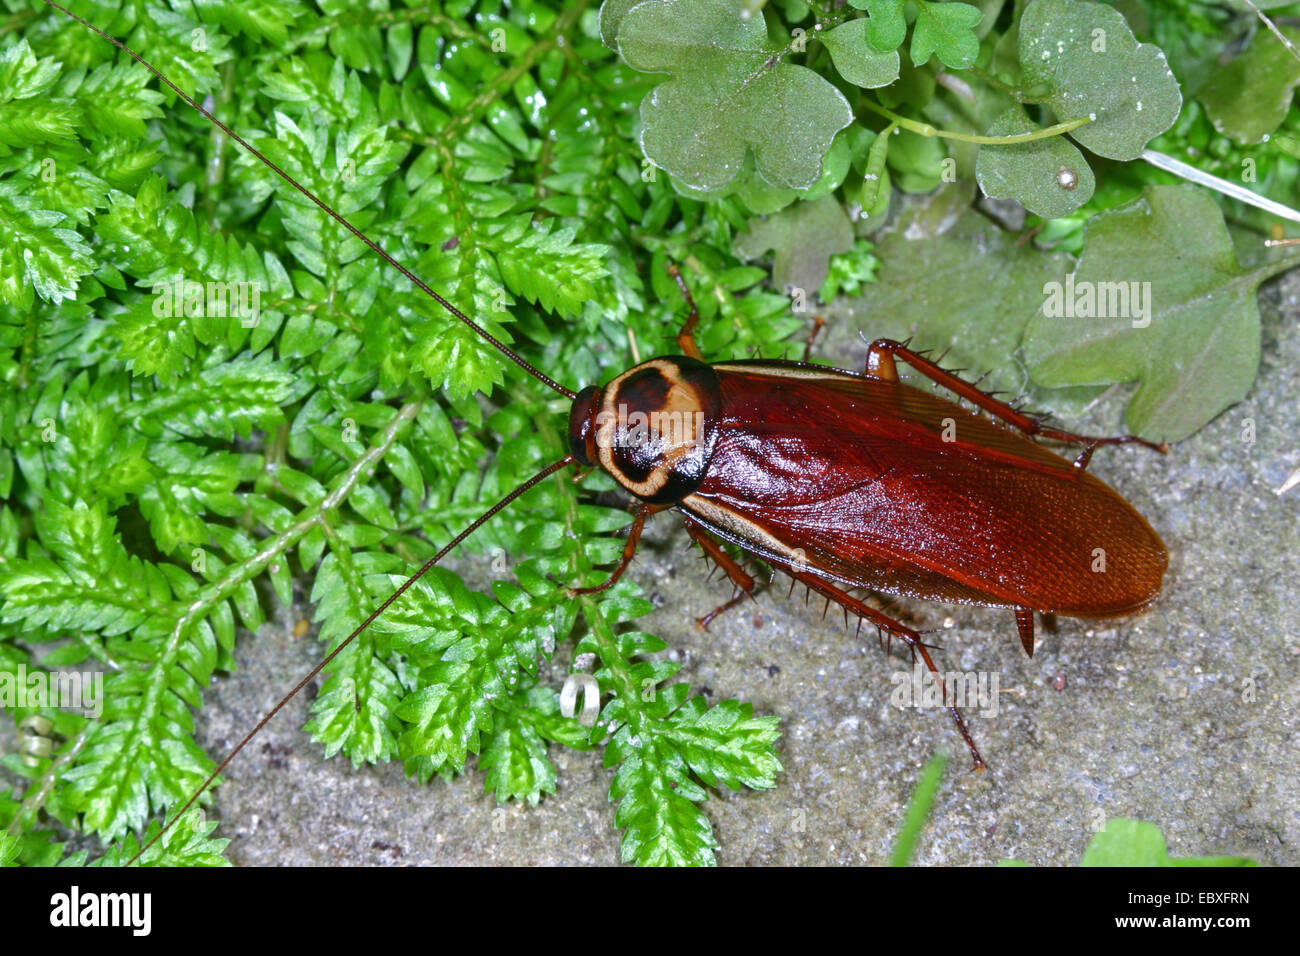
856	472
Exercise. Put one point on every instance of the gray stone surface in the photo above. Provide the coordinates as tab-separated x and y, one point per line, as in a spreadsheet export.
1184	716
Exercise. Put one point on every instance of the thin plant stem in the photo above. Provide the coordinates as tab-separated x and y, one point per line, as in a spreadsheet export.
925	129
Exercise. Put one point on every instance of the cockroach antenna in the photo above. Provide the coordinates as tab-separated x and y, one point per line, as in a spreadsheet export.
446	549
336	216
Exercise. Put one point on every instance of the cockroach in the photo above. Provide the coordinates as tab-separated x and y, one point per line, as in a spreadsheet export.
843	480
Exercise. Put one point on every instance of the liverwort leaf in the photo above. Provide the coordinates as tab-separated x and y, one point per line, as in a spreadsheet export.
31	116
945	30
1127	842
41	255
658	803
612	13
1158	297
760	196
1249	98
942	29
888	24
931	288
805	236
188	843
730	92
726	745
856	59
515	763
1049	177
1086	58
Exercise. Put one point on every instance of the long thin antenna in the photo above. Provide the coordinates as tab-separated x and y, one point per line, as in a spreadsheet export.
540	476
416	280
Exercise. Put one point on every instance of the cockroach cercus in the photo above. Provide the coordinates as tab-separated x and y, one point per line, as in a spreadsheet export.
843	480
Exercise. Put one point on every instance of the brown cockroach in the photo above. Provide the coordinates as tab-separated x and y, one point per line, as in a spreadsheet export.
842	480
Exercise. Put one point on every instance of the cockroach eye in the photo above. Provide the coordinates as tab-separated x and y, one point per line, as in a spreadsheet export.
1067	178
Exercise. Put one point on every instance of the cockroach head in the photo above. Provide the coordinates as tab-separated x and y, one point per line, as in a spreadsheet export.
582	425
652	429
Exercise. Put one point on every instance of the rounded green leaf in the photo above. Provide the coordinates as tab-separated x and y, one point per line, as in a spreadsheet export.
1087	59
856	59
805	236
1159	297
728	93
834	168
1049	177
953	278
888	23
1248	99
946	30
917	161
760	196
1126	842
612	13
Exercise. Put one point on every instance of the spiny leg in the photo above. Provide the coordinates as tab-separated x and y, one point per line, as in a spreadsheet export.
686	337
911	637
629	549
818	324
739	576
1025	624
880	364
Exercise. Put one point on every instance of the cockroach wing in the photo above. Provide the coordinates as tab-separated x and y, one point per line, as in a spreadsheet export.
881	485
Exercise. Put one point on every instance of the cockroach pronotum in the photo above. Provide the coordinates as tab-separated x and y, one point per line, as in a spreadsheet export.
842	480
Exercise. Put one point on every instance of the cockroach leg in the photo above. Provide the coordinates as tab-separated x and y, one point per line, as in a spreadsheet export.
629	549
911	637
703	622
881	355
1025	624
739	576
1091	442
1085	456
818	324
880	360
686	337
